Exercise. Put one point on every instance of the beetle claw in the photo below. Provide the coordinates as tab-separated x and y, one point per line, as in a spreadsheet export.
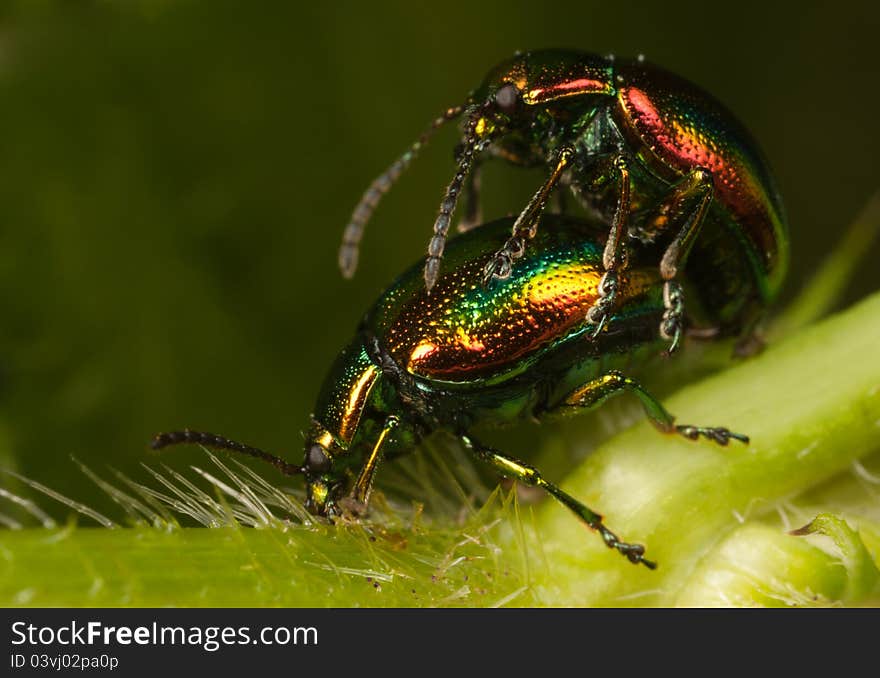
634	553
672	321
597	321
498	268
600	311
717	434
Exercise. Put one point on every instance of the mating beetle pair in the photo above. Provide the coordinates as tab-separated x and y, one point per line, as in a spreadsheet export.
665	164
535	316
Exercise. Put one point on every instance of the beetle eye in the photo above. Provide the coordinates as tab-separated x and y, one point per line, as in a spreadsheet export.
317	460
507	98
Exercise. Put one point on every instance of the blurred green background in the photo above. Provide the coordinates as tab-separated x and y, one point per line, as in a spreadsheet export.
176	177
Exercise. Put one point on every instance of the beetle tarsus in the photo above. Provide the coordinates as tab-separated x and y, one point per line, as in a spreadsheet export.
499	268
599	313
513	468
671	325
717	434
526	225
635	553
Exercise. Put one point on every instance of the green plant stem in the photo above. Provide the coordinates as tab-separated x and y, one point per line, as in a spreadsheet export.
811	406
322	566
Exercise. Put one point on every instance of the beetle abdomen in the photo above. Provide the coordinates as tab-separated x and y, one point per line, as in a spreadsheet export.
682	127
464	331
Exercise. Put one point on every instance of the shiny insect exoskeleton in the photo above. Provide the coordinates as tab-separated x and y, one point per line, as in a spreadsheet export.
466	354
667	166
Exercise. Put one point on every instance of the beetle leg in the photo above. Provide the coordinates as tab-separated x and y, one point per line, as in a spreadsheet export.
360	493
613	383
526	224
472	208
512	468
614	257
684	208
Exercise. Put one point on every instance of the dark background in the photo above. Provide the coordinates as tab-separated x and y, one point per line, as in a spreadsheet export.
175	177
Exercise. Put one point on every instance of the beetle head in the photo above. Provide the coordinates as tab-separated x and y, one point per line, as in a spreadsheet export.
522	103
323	482
497	105
514	93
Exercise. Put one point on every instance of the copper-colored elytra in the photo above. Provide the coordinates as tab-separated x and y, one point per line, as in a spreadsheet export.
679	141
458	333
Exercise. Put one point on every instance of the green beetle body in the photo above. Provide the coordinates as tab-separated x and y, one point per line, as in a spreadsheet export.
465	354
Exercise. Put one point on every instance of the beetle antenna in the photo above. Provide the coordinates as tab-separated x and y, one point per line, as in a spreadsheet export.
354	231
470	149
215	442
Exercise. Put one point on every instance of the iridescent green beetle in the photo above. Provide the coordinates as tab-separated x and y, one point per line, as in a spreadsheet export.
466	354
664	163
